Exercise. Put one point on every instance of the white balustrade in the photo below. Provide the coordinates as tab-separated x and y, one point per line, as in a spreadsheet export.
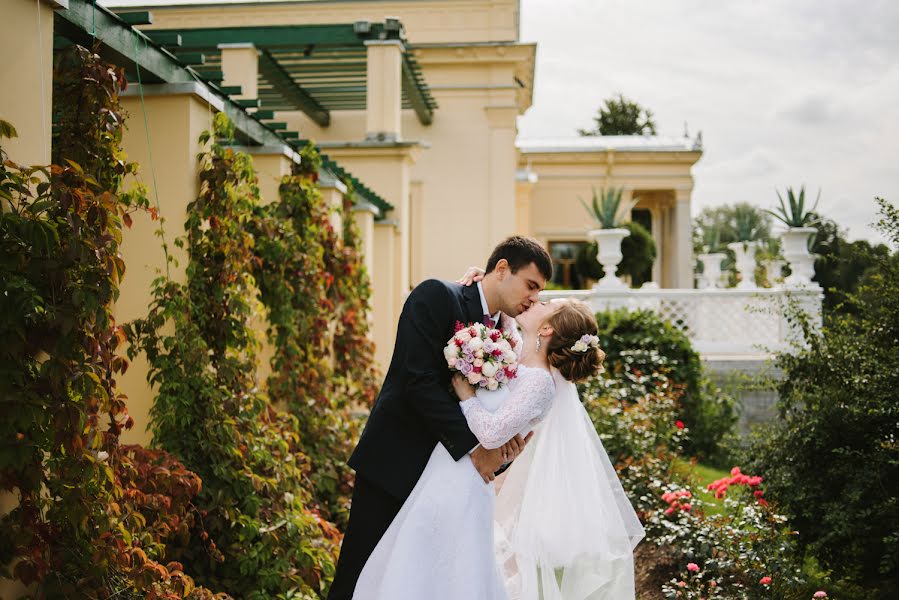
721	323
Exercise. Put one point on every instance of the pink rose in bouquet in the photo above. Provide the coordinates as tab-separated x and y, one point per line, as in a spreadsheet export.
485	356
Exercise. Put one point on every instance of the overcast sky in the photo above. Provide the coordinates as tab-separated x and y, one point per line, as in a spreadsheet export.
785	92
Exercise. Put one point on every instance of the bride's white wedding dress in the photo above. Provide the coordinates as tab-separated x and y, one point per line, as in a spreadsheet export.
440	545
561	527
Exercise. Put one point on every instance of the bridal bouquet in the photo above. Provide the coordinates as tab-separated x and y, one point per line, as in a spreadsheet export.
484	355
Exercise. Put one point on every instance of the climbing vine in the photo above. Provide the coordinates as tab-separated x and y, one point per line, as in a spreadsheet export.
211	414
80	528
313	283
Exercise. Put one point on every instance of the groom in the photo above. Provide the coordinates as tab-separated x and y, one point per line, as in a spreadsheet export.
416	409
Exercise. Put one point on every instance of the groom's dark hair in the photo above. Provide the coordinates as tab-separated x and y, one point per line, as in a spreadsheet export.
519	252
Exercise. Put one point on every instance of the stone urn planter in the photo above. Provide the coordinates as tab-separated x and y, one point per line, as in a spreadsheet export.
744	253
608	242
801	261
711	269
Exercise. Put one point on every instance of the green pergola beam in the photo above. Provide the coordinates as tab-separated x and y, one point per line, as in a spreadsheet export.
127	47
300	61
168	40
143	17
192	58
288	88
273	37
413	92
122	45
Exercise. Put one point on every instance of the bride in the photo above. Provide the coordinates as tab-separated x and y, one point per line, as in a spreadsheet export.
560	526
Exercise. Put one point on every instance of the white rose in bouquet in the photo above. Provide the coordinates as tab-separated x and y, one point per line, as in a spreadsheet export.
451	353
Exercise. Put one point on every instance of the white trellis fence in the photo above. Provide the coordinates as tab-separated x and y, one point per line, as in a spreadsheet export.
721	323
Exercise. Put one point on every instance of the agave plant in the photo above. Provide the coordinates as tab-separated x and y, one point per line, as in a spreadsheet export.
607	210
796	215
711	240
748	223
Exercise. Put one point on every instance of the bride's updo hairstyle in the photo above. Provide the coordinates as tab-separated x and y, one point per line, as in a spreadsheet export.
571	322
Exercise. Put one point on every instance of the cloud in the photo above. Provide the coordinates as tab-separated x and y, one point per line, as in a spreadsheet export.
813	109
784	92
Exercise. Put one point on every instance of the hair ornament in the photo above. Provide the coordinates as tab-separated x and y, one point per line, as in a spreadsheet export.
586	342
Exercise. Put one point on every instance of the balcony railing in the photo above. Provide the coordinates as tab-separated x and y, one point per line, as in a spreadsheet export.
723	324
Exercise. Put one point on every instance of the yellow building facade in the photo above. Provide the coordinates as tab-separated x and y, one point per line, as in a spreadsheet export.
450	165
464	180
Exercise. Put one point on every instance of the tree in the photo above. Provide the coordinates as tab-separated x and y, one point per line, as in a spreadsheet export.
840	265
832	462
620	116
716	227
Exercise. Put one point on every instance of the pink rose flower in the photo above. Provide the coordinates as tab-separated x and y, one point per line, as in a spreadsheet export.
765	580
692	567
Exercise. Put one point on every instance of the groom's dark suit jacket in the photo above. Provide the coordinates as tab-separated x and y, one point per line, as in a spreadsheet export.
415	409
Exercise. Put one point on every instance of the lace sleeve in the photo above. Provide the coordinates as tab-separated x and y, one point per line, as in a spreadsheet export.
530	398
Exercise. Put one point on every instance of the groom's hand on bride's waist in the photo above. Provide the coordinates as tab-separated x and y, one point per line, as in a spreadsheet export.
489	463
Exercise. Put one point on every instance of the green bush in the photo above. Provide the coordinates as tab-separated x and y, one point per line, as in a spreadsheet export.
833	460
635	338
738	542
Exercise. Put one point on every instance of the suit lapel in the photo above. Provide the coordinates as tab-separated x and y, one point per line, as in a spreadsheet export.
472	304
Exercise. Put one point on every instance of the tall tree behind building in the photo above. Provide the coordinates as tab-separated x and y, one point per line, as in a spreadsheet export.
621	116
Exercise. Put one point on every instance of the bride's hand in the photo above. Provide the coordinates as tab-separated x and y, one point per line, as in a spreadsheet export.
472	275
462	387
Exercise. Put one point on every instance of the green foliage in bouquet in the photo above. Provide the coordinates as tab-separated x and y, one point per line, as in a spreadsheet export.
833	461
93	517
210	413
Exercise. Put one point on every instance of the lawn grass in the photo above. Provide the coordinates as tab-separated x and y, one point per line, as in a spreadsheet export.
702	475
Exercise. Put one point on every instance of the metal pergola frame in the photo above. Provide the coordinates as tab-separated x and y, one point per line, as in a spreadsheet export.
312	68
118	41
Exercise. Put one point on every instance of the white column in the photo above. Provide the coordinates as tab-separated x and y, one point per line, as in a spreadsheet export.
657	265
384	283
683	240
364	215
332	190
384	90
240	65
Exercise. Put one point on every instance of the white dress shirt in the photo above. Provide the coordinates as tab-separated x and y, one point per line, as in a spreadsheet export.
486	309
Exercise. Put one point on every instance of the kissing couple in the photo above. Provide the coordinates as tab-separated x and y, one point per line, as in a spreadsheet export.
471	487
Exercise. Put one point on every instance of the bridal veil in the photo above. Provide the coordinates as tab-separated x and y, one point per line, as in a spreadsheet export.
564	528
